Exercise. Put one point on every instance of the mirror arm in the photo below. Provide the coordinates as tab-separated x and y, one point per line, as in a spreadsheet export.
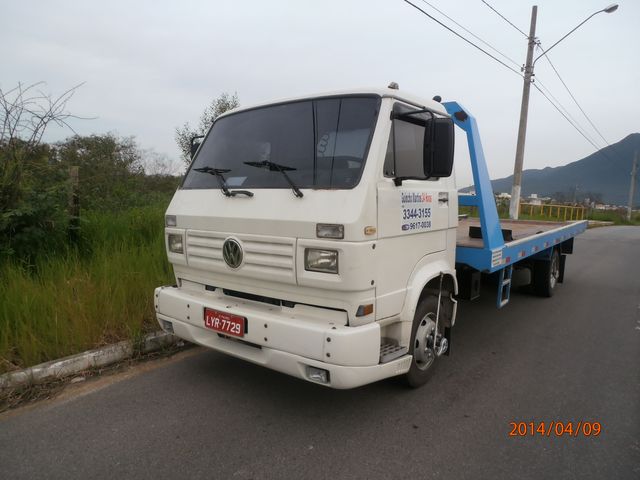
397	181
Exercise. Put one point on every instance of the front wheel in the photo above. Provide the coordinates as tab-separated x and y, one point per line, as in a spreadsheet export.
425	341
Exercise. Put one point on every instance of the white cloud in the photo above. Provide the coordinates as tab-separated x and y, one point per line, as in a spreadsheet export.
150	66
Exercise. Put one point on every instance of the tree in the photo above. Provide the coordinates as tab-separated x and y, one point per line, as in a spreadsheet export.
109	166
115	173
160	164
33	189
217	107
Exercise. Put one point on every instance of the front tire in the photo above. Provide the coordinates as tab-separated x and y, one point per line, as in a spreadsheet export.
421	346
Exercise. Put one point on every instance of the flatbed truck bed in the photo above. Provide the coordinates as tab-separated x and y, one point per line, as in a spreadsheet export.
487	244
518	229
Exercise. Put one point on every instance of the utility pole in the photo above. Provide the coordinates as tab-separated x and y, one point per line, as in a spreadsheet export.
524	108
514	204
632	187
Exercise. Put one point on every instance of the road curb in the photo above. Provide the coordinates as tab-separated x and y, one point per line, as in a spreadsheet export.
98	357
598	223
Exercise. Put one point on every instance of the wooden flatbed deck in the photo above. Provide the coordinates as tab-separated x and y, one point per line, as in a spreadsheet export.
519	229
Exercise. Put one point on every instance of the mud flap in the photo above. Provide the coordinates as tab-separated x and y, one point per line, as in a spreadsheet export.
563	259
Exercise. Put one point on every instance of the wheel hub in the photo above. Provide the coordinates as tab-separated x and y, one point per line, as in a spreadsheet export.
424	348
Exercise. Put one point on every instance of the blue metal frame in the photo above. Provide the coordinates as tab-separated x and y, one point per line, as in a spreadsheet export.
495	254
483	199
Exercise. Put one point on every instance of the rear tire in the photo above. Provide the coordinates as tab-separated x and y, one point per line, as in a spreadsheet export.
423	358
546	275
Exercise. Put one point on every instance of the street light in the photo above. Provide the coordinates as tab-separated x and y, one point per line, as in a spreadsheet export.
609	9
514	203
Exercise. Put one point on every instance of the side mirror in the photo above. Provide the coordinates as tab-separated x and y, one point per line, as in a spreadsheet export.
439	140
195	144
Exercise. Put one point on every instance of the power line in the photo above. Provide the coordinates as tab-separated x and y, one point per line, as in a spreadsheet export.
472	34
566	112
463	38
505	19
565	116
573	97
575	100
598	150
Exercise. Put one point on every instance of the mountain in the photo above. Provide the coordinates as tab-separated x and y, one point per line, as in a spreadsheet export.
602	176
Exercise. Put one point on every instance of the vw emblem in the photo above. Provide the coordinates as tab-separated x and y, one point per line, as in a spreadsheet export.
232	253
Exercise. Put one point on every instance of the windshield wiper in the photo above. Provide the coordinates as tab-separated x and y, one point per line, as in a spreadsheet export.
219	174
276	167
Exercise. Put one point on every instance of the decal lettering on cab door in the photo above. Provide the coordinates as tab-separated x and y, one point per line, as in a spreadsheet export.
416	210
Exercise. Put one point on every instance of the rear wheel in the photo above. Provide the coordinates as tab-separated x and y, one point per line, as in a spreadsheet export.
546	275
424	341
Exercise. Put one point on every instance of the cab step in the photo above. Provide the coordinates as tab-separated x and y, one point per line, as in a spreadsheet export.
390	350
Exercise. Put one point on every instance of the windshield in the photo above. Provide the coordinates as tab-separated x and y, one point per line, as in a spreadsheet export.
319	143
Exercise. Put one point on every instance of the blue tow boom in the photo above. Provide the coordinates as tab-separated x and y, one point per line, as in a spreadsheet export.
496	255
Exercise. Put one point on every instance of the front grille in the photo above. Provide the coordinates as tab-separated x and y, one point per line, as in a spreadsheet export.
269	258
259	298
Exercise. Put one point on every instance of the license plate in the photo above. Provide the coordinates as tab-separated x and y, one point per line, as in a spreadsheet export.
223	322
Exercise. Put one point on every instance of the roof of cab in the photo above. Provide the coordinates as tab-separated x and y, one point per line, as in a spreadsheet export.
382	92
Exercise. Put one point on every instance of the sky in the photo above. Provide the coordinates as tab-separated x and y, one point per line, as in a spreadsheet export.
149	66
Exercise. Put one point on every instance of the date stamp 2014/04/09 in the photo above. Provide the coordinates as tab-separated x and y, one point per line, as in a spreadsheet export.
555	428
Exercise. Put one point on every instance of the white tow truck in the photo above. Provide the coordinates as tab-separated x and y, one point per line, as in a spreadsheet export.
320	237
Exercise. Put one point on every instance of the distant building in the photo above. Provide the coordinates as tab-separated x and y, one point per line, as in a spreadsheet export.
534	199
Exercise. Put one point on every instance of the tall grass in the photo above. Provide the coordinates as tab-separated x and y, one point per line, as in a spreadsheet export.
99	293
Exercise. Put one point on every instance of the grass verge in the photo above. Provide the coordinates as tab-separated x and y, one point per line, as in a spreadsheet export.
98	293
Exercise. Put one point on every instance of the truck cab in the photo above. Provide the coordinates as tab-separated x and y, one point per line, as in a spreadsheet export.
319	236
306	231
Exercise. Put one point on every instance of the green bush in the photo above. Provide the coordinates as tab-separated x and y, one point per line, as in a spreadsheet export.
33	203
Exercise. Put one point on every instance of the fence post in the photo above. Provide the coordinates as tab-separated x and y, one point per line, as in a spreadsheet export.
74	205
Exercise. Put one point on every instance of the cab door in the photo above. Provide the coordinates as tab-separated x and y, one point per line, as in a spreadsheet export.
413	214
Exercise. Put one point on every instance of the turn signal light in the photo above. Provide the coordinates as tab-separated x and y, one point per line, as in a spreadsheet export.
364	310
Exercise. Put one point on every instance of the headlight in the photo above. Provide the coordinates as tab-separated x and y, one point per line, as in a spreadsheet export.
325	261
175	243
170	221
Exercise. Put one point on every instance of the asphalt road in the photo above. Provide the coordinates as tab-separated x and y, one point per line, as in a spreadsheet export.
574	357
